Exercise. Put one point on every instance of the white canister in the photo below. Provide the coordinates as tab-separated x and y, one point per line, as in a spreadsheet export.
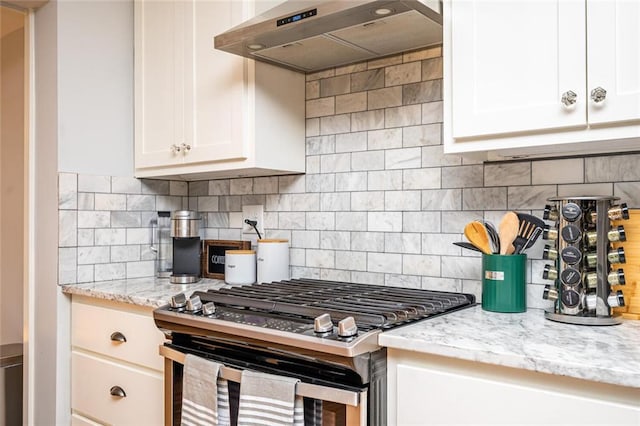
273	260
240	266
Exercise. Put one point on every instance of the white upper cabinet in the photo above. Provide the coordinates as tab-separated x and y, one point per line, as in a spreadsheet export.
613	61
529	77
507	80
203	113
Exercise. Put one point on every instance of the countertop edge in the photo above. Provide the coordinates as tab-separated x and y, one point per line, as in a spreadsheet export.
594	374
527	341
130	299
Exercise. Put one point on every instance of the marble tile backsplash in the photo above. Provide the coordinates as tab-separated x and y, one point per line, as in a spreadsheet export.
380	202
104	222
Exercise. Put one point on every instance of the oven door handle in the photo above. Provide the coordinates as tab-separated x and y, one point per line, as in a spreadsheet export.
324	393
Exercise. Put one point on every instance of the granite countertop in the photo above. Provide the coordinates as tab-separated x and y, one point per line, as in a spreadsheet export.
607	354
152	292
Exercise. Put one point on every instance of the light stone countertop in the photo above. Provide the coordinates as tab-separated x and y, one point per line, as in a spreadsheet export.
151	292
607	354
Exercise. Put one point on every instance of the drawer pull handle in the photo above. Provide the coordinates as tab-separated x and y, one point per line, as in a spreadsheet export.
117	391
116	336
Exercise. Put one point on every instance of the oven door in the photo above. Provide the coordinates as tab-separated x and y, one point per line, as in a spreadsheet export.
341	404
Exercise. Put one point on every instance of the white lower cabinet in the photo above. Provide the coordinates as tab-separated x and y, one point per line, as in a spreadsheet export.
427	389
78	420
116	371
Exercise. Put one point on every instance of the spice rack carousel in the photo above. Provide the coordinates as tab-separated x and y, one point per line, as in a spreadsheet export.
585	264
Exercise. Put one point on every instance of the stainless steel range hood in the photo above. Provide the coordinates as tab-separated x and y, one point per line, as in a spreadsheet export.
311	35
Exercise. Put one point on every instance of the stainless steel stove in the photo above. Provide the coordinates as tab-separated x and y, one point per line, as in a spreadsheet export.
332	317
323	332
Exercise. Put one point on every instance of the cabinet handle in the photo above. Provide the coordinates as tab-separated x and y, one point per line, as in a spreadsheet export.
117	391
186	148
569	98
116	336
176	148
598	94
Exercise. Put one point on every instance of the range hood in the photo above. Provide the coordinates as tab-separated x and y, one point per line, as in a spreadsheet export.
312	35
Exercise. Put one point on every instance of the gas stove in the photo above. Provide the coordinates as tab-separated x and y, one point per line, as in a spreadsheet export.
337	318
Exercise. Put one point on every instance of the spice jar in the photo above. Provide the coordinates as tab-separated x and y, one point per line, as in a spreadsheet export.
550	213
591	259
590	280
616	277
591	238
549	253
616	256
618	212
549	233
571	212
549	273
617	234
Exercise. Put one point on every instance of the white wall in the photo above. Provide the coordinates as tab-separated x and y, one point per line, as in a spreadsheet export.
83	89
95	87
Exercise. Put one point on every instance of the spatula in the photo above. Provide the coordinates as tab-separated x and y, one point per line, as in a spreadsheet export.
508	231
527	231
477	235
466	245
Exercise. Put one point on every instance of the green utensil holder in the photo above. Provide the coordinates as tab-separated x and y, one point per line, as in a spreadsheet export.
504	286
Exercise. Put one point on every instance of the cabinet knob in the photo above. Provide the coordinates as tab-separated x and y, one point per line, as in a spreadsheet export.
569	98
176	148
117	391
598	94
116	336
186	148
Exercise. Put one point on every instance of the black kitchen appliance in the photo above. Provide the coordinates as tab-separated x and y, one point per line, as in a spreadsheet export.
323	332
185	231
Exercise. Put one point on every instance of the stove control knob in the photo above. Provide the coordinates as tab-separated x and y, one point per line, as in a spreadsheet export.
194	304
347	327
208	308
323	324
178	301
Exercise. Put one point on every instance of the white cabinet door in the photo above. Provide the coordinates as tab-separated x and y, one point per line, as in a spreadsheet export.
432	396
188	95
158	77
511	64
214	84
203	113
613	40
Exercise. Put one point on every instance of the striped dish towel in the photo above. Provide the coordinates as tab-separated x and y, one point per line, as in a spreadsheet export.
270	400
224	409
201	405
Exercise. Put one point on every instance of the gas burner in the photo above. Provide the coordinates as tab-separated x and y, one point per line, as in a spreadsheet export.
323	316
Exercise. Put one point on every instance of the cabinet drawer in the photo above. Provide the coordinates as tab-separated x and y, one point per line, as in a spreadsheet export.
93	327
92	380
78	420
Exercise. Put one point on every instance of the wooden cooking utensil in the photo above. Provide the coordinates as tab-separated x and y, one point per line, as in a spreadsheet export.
477	235
508	231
